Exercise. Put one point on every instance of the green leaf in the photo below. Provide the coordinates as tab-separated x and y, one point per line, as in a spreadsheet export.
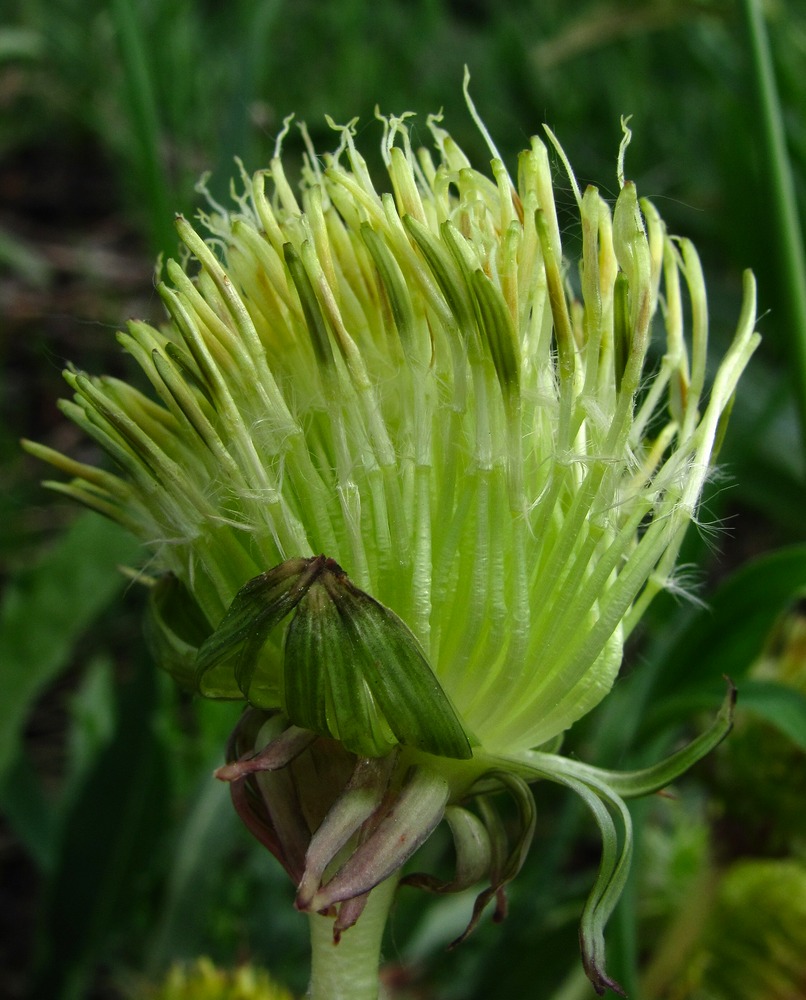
632	784
614	869
29	812
29	804
46	609
208	830
778	704
92	722
109	840
726	637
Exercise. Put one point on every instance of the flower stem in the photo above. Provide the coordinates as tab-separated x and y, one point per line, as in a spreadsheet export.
349	970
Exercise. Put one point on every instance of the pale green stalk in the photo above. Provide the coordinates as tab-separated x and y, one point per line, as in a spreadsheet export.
348	970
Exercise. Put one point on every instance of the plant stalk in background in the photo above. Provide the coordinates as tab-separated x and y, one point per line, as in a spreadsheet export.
409	481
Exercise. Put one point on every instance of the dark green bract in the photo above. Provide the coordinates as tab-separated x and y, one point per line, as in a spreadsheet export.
351	668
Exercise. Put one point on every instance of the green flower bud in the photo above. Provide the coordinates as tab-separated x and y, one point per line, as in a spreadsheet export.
411	386
416	386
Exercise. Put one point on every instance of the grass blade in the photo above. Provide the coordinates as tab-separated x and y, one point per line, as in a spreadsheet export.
783	200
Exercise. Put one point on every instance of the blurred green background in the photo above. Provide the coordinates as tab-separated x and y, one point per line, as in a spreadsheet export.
119	853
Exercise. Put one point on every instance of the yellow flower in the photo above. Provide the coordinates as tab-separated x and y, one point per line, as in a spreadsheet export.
203	981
